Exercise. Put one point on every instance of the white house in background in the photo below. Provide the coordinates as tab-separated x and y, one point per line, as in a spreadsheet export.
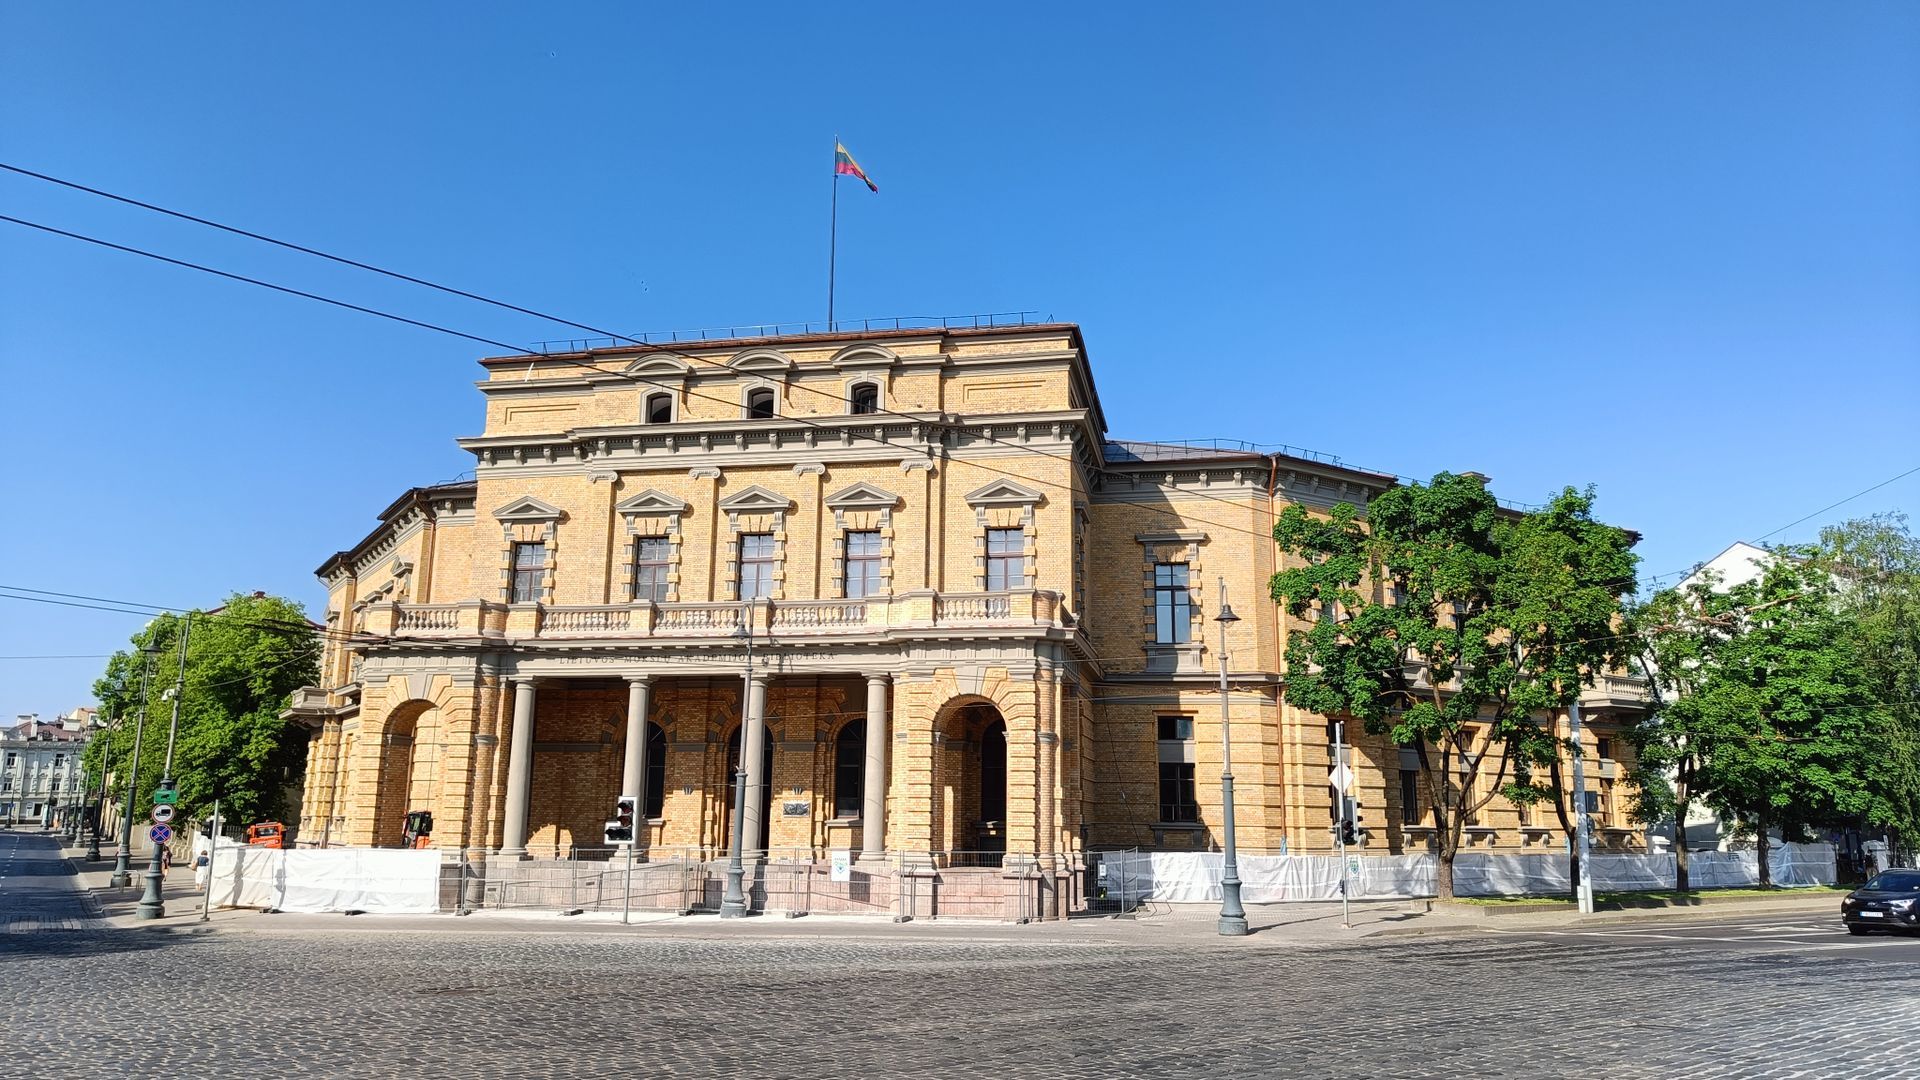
1740	563
1737	565
40	766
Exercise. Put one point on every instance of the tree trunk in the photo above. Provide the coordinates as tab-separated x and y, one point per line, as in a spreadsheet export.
1443	873
1680	882
1760	836
1566	826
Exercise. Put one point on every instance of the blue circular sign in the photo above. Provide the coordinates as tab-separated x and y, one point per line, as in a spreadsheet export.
160	834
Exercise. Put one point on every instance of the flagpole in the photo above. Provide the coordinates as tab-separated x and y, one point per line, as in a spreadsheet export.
833	233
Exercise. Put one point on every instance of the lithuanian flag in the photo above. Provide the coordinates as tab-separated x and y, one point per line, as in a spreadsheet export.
844	165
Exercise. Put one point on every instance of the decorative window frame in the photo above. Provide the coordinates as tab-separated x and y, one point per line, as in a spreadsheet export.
531	521
866	362
762	369
746	395
652	514
1005	494
1177	546
862	498
661	374
756	500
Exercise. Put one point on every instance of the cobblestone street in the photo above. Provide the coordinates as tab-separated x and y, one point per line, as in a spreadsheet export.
358	1003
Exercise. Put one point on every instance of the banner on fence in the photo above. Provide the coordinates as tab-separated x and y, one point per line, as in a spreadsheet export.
1194	876
374	880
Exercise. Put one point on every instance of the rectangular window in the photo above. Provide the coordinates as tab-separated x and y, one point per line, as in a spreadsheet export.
1006	559
1409	797
1178	802
652	557
56	785
1604	747
1172	604
756	566
863	563
1176	728
529	572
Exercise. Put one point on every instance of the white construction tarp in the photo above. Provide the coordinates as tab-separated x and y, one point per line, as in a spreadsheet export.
1194	876
380	881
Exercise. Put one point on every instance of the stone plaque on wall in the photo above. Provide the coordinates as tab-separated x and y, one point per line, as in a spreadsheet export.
794	808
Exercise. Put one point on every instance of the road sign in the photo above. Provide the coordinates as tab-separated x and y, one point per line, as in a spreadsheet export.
162	814
1341	777
160	834
166	795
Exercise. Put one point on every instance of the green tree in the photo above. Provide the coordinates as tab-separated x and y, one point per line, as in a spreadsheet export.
1453	627
1765	711
242	662
1875	563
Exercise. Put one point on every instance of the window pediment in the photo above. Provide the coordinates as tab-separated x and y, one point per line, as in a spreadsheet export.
756	499
660	367
651	501
862	496
761	360
1004	493
864	355
529	509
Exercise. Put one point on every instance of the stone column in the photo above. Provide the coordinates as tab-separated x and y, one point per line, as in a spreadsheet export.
753	738
873	784
633	774
513	834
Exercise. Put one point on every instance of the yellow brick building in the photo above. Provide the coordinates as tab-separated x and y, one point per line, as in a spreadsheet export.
976	623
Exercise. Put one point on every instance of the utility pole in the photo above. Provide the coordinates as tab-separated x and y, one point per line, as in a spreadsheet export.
733	903
1342	777
213	849
1233	917
122	873
152	904
1582	823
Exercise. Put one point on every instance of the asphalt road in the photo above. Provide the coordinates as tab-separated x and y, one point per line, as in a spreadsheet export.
37	888
361	1002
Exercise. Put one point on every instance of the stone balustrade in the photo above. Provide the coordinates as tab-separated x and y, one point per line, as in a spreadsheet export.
903	611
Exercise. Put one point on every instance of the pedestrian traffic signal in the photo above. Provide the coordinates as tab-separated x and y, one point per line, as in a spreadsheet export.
620	829
1349	835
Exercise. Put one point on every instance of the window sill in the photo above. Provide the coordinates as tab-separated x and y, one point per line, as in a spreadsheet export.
1192	826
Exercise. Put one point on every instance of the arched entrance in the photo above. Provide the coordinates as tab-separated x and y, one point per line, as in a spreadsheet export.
971	803
406	770
764	796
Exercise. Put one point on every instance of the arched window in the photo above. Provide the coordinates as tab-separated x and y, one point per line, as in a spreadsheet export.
863	399
659	408
654	801
760	403
850	770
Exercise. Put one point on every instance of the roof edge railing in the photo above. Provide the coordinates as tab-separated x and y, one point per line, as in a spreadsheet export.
985	321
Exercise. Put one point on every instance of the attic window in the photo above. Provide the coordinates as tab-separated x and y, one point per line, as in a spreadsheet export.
760	403
659	408
864	400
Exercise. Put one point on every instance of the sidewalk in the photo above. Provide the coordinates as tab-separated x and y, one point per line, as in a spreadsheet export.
1282	925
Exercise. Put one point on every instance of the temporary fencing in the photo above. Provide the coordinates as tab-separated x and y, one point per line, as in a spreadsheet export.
1194	876
373	880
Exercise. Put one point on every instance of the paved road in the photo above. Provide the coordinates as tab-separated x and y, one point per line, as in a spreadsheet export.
37	888
1813	932
360	1002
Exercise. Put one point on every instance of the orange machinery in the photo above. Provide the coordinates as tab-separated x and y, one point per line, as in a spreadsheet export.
268	834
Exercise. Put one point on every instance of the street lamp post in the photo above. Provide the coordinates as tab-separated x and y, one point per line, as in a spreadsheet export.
733	902
1233	917
152	905
122	873
100	803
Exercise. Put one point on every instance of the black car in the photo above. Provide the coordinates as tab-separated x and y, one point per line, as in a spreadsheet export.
1889	901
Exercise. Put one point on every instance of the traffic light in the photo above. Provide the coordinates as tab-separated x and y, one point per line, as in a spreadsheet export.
620	829
1349	835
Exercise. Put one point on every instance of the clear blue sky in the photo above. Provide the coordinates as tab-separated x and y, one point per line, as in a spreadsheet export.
1671	250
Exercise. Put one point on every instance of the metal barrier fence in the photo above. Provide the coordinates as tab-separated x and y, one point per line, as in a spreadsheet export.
978	885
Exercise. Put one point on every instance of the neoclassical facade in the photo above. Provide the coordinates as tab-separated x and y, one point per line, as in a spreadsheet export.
944	610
